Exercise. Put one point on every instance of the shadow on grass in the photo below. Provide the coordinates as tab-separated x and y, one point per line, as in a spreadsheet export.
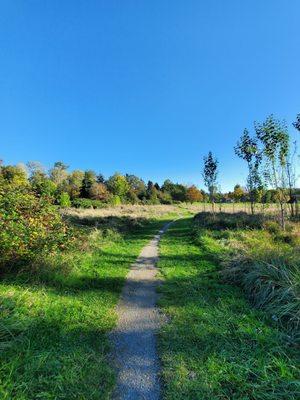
49	357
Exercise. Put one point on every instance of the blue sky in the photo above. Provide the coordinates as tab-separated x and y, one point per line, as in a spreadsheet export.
144	87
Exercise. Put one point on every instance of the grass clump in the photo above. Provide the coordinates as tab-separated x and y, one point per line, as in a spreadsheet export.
263	260
224	220
215	345
88	203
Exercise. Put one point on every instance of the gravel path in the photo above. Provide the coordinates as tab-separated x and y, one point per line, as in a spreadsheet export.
134	342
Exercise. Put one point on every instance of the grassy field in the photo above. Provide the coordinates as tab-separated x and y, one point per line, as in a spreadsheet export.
138	210
54	325
216	345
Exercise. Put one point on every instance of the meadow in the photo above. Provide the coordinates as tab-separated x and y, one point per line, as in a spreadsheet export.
153	253
230	297
57	309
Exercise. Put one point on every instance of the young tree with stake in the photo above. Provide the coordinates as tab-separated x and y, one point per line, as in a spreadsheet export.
274	137
210	174
247	150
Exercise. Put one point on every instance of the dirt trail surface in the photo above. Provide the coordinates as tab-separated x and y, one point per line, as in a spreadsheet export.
134	342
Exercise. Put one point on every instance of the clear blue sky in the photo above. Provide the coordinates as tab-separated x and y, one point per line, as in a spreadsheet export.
144	87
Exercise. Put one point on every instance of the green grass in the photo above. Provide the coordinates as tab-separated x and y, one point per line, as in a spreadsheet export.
215	345
53	327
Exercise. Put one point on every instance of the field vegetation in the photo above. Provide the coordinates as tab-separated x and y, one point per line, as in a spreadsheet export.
232	283
231	297
61	276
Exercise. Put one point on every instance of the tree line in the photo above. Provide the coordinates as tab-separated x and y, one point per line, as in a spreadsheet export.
89	189
268	152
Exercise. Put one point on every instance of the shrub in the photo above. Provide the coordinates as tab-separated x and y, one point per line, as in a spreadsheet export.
64	200
272	227
222	220
29	226
115	200
88	203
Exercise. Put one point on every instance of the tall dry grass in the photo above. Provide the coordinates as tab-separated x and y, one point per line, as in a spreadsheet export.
257	255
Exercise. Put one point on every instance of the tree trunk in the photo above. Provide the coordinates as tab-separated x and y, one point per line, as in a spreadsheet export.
213	207
282	218
252	207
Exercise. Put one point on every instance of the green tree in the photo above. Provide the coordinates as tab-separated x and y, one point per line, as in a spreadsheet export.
274	137
167	186
152	194
40	183
247	150
88	180
164	197
177	191
210	174
118	185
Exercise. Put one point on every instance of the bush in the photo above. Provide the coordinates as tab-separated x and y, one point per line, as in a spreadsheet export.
64	200
272	227
29	226
219	221
88	203
115	200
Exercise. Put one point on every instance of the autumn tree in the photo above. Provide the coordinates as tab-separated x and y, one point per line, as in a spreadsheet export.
75	182
99	191
210	174
137	187
193	194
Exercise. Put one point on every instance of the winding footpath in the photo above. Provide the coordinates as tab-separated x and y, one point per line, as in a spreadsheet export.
134	339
